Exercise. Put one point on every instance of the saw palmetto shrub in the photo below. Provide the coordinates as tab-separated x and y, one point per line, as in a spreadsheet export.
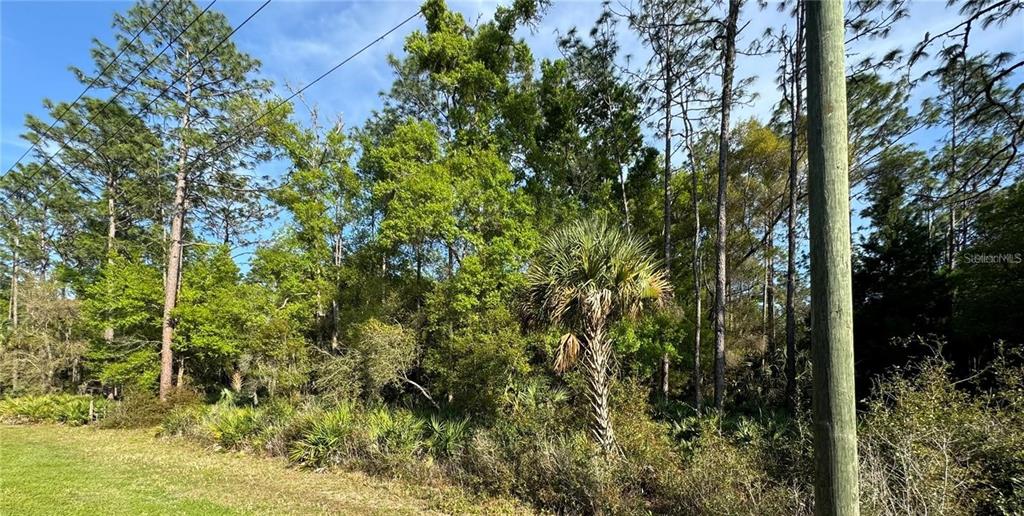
335	437
396	443
52	408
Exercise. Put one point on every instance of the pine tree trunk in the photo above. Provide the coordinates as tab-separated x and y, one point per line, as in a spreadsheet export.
835	423
728	68
44	263
174	254
770	285
14	281
795	111
698	319
108	331
667	204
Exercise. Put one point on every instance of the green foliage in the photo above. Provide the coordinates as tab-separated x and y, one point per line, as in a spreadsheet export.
446	438
128	297
396	440
213	314
899	289
477	364
52	408
140	408
989	283
381	325
330	439
928	445
384	353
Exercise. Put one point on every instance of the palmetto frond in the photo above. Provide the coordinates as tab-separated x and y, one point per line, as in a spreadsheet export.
567	353
587	259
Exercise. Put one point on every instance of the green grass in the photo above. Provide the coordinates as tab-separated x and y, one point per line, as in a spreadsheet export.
46	469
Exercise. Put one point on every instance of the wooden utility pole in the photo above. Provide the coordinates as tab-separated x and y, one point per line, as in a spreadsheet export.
834	401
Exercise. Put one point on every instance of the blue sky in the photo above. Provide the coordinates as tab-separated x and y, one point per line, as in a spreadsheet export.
298	40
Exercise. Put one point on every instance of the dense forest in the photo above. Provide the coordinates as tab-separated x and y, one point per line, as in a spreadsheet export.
582	282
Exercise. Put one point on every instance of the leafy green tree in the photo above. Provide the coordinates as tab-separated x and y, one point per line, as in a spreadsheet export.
126	297
108	153
320	192
472	83
988	284
587	276
213	318
589	133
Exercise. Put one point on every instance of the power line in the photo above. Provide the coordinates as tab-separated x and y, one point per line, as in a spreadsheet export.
91	83
114	97
160	95
223	148
291	97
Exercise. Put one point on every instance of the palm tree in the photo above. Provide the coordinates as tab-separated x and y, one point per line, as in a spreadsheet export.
588	275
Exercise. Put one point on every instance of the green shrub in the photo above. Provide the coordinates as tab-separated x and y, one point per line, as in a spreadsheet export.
927	446
447	437
396	438
330	439
186	421
538	450
142	409
52	408
232	427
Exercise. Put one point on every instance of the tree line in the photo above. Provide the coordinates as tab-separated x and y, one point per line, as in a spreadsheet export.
500	218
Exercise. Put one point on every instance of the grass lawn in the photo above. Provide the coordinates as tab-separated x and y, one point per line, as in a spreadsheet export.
64	470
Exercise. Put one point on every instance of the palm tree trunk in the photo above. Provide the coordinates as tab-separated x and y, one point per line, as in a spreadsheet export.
729	64
597	361
835	423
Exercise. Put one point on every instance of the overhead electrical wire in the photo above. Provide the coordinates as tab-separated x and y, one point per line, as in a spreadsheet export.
145	108
92	83
110	101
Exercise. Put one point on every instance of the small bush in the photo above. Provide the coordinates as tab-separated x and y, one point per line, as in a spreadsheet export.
51	408
142	409
330	439
927	446
447	437
232	427
396	441
185	421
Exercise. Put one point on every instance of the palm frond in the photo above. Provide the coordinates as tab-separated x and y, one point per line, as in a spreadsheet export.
567	353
